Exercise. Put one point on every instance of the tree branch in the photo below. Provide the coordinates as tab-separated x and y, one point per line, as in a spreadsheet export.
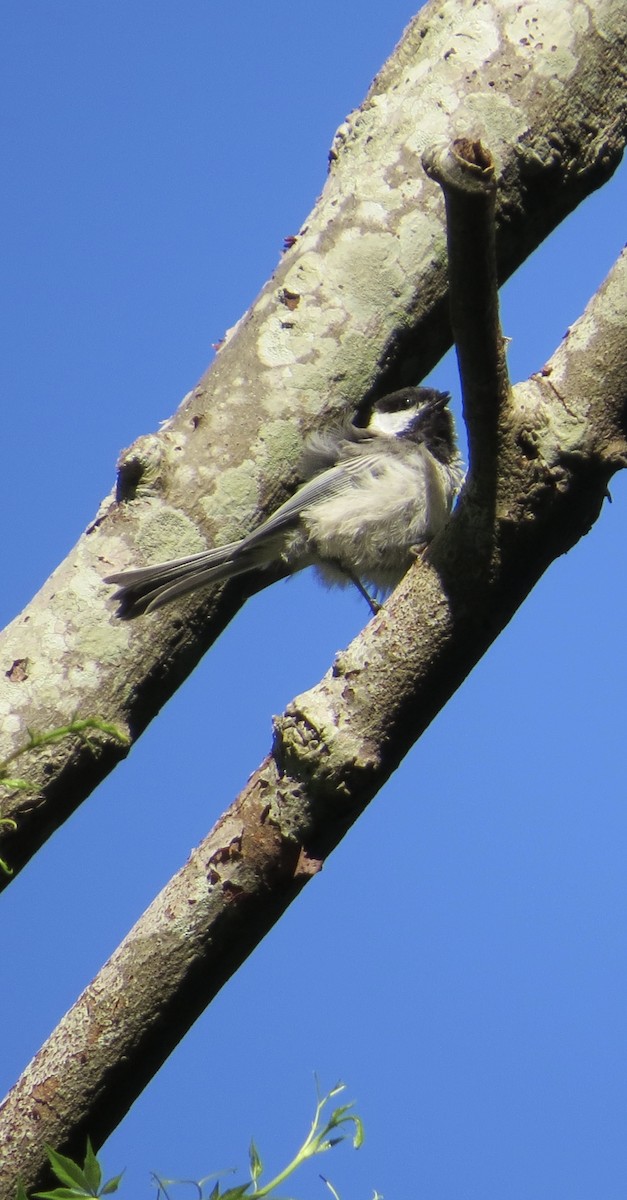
465	172
334	747
365	285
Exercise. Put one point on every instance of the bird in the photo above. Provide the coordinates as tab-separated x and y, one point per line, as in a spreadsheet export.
373	496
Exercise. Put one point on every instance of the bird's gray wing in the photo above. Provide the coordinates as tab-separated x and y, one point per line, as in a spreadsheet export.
333	482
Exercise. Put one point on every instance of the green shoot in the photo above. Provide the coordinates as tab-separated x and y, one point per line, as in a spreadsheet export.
327	1130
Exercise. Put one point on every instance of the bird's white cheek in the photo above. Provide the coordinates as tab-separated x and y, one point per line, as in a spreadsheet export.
388	423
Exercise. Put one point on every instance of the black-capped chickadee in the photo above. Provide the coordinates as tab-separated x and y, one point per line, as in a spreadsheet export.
372	498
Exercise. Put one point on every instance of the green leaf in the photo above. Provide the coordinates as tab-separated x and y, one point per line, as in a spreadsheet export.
358	1136
236	1193
256	1165
111	1185
68	1171
20	1192
92	1169
339	1114
63	1193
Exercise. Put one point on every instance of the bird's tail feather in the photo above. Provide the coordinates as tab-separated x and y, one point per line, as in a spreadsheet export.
145	589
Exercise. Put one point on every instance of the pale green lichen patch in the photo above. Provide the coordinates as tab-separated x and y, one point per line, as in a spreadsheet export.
10	721
297	384
371	212
235	496
496	119
97	647
446	50
422	239
46	675
280	445
567	433
165	533
370	262
480	35
563	64
306	274
281	342
416	134
85	677
549	26
302	334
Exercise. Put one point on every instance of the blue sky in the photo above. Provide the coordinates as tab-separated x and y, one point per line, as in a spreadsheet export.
460	961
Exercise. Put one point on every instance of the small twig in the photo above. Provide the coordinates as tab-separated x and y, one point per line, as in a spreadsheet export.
465	173
79	726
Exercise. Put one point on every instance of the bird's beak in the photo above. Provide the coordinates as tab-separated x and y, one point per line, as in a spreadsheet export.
438	402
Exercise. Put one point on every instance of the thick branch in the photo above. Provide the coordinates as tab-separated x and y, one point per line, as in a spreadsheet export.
357	305
334	747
